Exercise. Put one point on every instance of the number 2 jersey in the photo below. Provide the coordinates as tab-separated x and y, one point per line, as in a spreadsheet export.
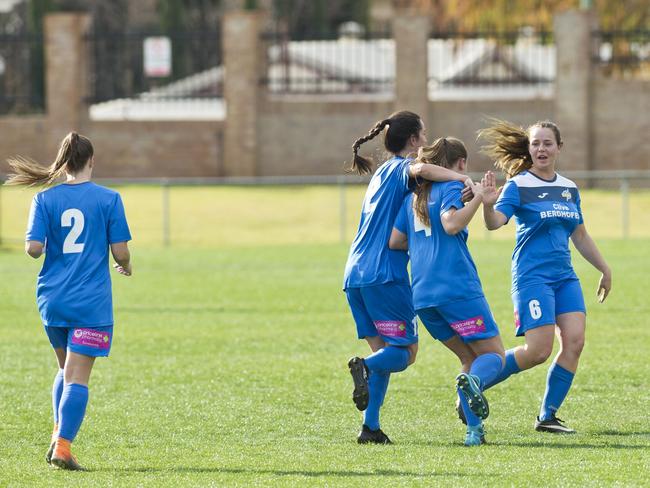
370	261
77	222
546	214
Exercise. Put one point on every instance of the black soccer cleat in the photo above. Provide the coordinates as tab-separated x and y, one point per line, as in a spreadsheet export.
359	373
50	451
553	425
367	436
460	412
468	385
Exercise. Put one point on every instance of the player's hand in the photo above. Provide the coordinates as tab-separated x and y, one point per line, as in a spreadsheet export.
490	191
604	286
123	270
468	192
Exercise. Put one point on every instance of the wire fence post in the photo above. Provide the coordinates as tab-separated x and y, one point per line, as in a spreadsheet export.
342	209
625	207
165	214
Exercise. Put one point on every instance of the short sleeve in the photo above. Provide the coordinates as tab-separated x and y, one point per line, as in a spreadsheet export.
401	221
508	201
579	207
406	183
451	197
118	228
37	222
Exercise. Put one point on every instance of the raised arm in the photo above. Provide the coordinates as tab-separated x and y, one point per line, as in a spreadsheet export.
122	256
433	172
34	248
587	247
493	218
454	220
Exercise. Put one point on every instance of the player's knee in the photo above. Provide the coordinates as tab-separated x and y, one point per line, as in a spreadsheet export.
540	353
574	346
413	352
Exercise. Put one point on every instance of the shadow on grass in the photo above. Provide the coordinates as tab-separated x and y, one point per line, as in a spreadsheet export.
621	434
281	472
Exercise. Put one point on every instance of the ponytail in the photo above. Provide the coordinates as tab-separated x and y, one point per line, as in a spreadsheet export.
507	145
401	126
445	152
74	153
361	165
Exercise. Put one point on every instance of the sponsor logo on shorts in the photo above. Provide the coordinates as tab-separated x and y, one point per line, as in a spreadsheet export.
517	321
391	328
91	338
469	327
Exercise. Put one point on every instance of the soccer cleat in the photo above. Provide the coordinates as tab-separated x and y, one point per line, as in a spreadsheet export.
553	425
475	436
469	386
62	458
367	436
460	412
359	372
50	451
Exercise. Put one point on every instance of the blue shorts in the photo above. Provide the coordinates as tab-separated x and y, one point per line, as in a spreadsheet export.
89	341
384	310
539	305
471	320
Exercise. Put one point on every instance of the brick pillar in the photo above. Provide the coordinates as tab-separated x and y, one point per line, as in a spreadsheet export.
411	33
242	59
573	86
66	64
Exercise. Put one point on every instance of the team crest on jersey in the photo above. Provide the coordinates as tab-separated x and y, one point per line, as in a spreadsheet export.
566	194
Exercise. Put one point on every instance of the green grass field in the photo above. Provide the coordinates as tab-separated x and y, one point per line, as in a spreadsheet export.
228	367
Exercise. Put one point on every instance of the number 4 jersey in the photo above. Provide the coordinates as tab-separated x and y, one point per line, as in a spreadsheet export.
77	222
546	213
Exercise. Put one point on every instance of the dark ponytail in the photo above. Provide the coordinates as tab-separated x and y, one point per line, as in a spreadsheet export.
401	126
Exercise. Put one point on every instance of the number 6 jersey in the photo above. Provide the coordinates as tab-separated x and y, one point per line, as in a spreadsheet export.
546	213
77	222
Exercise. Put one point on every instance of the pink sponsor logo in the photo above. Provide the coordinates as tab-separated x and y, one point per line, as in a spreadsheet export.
470	326
517	321
91	338
391	328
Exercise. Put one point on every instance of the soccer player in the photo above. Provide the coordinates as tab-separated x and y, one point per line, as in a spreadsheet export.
546	292
73	224
447	292
376	280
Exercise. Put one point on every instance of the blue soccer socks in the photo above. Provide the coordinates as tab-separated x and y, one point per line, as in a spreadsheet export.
72	410
57	391
511	367
487	367
390	359
377	386
558	383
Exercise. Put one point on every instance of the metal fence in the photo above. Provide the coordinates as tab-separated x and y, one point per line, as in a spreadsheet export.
117	67
168	210
477	64
22	76
623	53
359	64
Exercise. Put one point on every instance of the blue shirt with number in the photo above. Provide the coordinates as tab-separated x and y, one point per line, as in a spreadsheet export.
77	222
442	269
370	261
546	214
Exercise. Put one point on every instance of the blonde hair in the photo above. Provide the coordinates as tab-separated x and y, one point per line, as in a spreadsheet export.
507	144
444	152
74	153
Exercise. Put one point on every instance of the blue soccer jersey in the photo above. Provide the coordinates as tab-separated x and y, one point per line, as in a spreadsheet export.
442	269
370	261
546	213
77	222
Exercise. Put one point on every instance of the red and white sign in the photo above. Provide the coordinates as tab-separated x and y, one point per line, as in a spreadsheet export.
157	57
